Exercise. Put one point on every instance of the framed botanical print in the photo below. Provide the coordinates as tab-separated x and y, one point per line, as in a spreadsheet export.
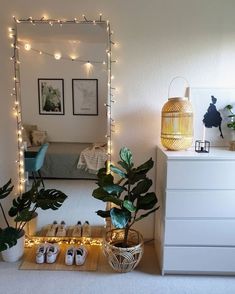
51	96
85	96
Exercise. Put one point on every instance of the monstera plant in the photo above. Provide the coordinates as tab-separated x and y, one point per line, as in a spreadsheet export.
24	208
129	195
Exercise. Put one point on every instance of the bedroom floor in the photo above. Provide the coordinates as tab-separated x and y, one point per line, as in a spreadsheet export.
144	279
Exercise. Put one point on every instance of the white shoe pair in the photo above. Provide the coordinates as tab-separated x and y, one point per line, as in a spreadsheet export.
77	254
82	230
47	252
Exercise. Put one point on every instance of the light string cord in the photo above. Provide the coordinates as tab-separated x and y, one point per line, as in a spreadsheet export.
17	107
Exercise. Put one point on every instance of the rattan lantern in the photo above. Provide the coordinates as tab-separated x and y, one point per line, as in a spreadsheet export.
177	123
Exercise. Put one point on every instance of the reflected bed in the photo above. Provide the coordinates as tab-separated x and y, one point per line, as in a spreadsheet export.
61	161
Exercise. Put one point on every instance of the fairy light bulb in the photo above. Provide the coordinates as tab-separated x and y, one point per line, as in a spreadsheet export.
27	47
73	57
57	56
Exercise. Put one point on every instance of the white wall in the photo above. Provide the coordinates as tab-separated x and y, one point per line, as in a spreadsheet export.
158	39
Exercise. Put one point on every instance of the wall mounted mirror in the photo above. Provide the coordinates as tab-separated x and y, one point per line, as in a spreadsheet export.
63	99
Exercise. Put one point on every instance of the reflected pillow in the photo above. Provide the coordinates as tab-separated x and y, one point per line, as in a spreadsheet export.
27	133
39	137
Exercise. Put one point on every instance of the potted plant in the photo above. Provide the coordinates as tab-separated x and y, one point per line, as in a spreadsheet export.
231	125
23	209
131	203
231	116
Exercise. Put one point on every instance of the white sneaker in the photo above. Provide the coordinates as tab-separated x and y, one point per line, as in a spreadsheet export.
52	252
77	231
86	229
41	253
69	255
80	255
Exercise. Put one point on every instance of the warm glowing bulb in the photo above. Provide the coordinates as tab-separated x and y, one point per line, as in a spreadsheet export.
27	47
104	62
11	36
40	52
112	77
73	57
10	29
57	56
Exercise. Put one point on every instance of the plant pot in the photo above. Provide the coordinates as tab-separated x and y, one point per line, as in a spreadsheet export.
123	259
14	253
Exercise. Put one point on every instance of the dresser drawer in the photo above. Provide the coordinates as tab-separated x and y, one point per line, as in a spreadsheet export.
199	260
200	203
200	174
200	232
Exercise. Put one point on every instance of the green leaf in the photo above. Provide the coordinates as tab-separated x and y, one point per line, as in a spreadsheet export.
135	177
126	157
50	199
129	205
101	194
124	165
119	217
6	190
105	179
114	189
142	187
146	214
25	216
145	167
147	201
20	203
103	213
118	171
229	107
8	238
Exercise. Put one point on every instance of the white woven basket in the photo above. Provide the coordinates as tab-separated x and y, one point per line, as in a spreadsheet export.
123	259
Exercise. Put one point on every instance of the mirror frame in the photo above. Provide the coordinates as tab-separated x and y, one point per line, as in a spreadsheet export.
16	93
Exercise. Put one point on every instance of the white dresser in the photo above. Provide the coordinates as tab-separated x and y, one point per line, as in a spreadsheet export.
195	227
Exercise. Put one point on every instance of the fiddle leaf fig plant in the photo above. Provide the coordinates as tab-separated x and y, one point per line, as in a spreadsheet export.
24	208
130	197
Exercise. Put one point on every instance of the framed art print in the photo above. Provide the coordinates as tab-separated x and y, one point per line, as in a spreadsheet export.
210	115
85	96
51	96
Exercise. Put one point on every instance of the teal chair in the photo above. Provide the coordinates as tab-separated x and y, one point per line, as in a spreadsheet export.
34	162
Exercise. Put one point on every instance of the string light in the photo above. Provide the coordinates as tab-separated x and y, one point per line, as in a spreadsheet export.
27	47
57	56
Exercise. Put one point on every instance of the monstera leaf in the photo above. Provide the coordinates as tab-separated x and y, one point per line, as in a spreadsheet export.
50	199
6	190
8	238
19	204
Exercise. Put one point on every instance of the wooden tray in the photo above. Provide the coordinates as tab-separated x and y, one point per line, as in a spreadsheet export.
90	264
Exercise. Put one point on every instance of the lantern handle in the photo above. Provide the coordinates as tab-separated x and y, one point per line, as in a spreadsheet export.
178	77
